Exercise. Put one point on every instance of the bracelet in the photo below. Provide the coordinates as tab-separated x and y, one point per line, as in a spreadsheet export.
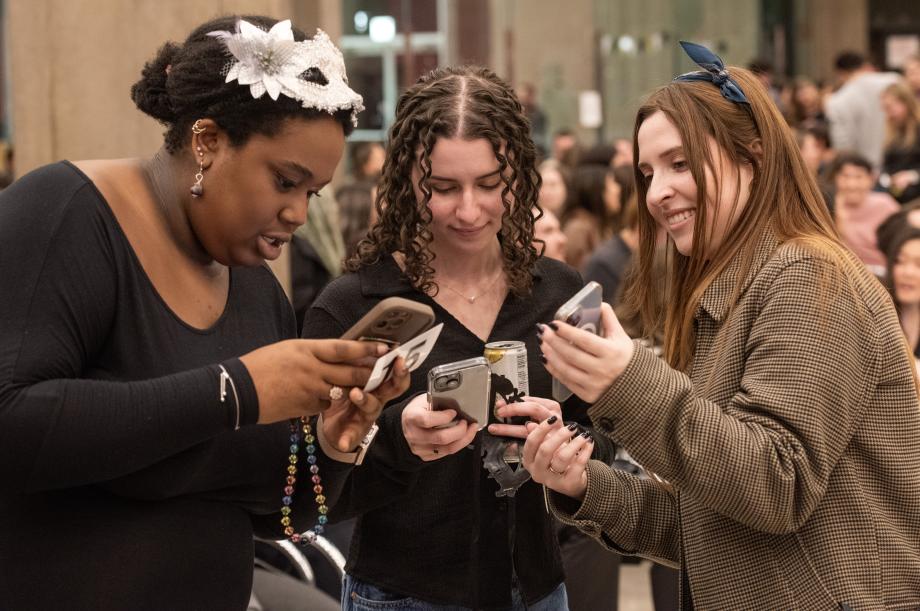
224	378
291	481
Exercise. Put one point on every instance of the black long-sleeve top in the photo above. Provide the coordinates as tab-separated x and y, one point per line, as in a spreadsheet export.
122	482
436	531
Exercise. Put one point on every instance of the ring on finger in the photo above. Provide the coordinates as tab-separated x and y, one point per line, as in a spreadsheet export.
551	470
336	393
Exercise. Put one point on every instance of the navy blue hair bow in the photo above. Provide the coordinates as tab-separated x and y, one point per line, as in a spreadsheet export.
713	71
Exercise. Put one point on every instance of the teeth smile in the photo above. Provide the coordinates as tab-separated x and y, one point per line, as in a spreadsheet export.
273	241
680	217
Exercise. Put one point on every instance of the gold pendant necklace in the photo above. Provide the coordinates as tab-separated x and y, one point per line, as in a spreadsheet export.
473	299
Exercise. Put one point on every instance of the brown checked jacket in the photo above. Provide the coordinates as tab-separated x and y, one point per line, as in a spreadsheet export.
792	447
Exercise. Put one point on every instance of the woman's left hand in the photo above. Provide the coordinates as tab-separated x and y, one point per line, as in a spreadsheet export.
586	363
557	457
534	408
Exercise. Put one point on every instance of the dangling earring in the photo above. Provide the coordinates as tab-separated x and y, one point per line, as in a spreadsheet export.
196	189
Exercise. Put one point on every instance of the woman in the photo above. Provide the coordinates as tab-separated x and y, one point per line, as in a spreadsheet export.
592	212
548	235
858	210
455	233
145	382
554	188
611	260
901	162
785	417
904	282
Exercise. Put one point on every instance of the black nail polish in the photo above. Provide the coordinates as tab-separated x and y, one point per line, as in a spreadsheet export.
572	426
552	419
543	359
553	326
539	329
587	436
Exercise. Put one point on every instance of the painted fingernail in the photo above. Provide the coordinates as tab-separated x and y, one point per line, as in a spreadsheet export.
539	329
572	426
543	359
553	326
587	436
552	419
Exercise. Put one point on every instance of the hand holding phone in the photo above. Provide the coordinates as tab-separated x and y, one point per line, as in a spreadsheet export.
463	386
583	310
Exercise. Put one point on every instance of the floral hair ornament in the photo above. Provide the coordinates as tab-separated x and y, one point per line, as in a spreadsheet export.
273	62
713	71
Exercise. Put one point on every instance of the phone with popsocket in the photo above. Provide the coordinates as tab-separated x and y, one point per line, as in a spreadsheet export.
393	321
583	310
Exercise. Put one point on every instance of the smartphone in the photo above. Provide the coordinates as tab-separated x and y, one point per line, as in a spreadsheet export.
463	386
583	310
392	321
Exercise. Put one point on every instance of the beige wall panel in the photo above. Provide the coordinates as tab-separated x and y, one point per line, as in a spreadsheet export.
549	44
827	27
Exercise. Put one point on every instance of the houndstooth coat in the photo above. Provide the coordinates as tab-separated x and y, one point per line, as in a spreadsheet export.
793	447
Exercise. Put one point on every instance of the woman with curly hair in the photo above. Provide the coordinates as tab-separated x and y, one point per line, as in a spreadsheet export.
455	233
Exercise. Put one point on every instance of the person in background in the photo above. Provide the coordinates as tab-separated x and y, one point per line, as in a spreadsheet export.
624	153
806	105
527	94
609	264
591	213
355	204
901	163
912	74
903	280
149	374
783	424
366	161
317	253
565	148
548	236
854	111
554	186
858	210
814	143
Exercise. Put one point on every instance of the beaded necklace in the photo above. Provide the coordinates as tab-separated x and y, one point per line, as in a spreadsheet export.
291	481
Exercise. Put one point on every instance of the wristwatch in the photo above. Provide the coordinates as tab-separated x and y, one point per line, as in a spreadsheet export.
357	456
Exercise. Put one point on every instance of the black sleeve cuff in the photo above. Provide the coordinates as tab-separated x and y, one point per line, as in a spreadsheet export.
245	391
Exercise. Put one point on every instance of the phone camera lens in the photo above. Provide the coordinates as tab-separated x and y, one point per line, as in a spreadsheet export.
453	383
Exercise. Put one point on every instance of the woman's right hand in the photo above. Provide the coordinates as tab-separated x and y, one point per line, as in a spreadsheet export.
430	443
293	378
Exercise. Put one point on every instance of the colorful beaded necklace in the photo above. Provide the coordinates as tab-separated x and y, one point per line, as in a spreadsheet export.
309	536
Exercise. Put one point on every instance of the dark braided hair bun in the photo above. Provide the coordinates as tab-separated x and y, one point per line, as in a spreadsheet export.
150	94
195	88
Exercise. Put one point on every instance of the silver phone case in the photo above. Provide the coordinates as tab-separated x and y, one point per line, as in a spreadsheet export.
583	310
463	386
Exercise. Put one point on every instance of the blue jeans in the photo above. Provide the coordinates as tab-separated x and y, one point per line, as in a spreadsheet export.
359	595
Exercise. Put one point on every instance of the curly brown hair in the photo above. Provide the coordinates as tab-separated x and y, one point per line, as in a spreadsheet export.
469	102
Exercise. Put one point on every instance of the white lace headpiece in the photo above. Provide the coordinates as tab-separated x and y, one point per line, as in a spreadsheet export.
272	62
